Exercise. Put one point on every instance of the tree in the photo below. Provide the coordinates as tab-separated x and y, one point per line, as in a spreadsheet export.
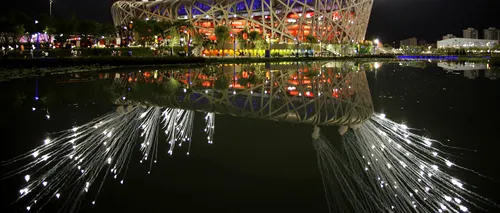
254	36
222	35
51	31
162	28
10	30
311	40
65	28
88	29
143	30
241	38
222	82
106	30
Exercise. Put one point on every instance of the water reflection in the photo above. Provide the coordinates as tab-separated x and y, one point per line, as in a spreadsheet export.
322	94
383	166
470	70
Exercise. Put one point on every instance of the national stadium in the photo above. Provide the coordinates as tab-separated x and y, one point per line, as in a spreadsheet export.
278	21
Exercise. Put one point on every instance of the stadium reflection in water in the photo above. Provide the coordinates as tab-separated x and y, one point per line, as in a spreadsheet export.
382	167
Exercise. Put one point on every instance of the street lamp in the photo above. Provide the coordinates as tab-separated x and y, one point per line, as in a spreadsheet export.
37	36
50	9
320	48
376	42
234	45
269	45
297	43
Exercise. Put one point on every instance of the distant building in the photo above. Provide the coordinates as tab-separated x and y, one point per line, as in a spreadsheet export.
471	74
471	33
466	43
448	36
467	66
491	34
410	42
491	74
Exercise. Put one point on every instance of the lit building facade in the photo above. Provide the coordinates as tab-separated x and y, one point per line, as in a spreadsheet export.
470	33
491	34
280	22
466	43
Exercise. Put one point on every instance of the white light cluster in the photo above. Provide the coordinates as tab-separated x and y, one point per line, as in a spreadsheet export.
107	141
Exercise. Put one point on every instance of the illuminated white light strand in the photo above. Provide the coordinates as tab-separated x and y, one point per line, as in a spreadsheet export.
408	167
73	159
210	126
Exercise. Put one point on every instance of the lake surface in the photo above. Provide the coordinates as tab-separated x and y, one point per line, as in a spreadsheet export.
261	159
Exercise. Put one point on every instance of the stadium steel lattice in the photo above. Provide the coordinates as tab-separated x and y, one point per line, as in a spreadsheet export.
321	94
283	21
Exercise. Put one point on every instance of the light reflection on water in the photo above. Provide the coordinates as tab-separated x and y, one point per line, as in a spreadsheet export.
123	87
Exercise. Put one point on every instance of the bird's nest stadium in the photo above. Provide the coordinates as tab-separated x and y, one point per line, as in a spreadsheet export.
280	21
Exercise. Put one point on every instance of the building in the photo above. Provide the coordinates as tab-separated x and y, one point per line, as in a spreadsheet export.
277	21
466	66
448	36
410	42
471	33
466	43
491	74
491	34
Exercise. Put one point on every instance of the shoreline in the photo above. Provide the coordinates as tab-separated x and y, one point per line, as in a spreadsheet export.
45	63
15	68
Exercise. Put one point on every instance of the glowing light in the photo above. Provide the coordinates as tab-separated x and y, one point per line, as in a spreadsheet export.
44	183
27	178
35	154
23	191
456	183
448	163
427	142
46	141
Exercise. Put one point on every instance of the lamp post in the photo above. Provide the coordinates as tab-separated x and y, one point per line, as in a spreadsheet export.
297	44
320	48
376	41
269	46
234	46
37	36
50	8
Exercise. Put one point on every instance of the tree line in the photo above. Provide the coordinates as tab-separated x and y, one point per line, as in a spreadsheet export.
14	26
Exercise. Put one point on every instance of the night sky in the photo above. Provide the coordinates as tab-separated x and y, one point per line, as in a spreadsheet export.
391	20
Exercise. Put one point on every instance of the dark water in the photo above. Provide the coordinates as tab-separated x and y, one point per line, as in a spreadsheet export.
254	165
